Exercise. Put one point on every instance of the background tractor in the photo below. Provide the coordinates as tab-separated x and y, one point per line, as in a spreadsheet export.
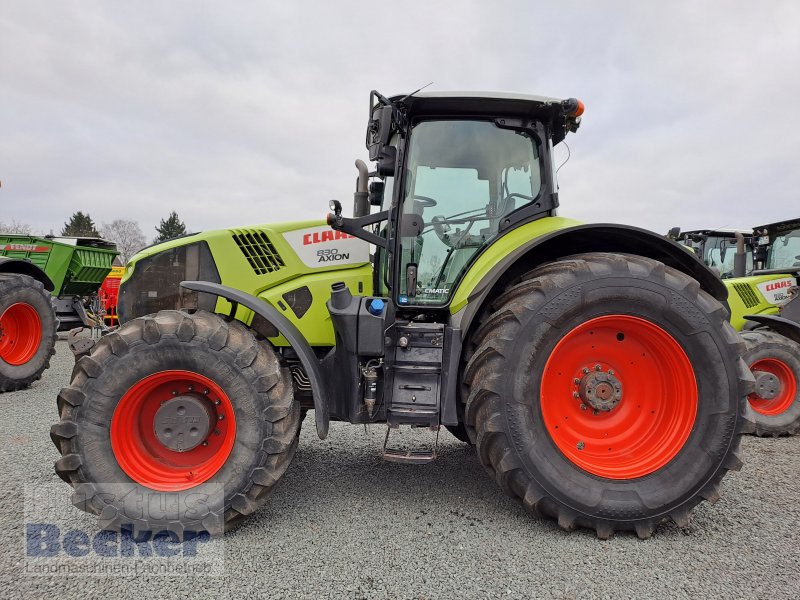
766	306
761	267
720	249
592	366
47	284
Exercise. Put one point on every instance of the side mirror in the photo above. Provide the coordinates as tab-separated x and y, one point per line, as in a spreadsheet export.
336	207
674	233
386	161
376	193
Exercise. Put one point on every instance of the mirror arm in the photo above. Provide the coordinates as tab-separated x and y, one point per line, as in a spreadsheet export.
355	226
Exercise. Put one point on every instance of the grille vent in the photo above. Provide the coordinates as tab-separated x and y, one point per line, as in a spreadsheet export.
747	294
258	250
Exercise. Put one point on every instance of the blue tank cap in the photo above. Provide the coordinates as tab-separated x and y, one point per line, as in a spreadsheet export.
375	306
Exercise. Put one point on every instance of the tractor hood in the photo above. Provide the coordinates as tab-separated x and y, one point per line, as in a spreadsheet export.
252	259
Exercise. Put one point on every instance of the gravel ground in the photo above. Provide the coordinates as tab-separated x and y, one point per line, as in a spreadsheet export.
344	524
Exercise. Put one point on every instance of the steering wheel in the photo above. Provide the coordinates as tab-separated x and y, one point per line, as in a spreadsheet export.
441	228
424	201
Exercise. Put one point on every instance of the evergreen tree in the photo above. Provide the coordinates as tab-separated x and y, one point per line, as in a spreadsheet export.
80	225
170	228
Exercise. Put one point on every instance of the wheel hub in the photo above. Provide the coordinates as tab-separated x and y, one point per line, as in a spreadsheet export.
183	423
602	391
768	386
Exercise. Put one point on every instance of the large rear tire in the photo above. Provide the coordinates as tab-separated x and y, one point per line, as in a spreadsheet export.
27	331
606	391
176	406
775	363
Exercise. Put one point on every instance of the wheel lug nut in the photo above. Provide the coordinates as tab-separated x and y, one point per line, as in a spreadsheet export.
205	391
597	367
221	417
205	443
174	392
576	395
583	407
611	371
216	402
576	381
580	445
585	370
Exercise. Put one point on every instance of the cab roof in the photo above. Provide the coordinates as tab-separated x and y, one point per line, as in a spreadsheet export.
490	104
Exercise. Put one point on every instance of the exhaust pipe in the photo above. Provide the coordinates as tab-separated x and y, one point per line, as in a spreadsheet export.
361	197
739	259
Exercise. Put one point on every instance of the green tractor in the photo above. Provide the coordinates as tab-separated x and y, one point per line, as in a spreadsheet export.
592	366
720	249
760	268
766	306
46	285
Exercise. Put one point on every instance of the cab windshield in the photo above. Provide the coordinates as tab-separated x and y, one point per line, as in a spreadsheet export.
462	179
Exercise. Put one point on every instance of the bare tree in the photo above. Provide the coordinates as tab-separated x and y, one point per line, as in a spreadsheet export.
126	235
15	227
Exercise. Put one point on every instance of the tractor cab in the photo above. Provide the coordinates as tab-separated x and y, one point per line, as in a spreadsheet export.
718	249
778	246
455	171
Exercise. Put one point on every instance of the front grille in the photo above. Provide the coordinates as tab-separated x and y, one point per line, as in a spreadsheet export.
258	250
746	293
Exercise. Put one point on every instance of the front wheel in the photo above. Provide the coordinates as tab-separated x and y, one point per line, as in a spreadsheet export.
606	391
775	363
27	331
188	411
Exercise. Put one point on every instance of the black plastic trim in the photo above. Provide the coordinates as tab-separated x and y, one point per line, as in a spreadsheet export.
306	354
786	327
23	267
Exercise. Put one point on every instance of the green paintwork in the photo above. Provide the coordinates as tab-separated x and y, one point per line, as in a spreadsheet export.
315	325
73	269
236	272
745	298
499	250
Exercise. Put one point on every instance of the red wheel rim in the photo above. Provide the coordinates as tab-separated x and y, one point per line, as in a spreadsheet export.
788	387
142	455
651	381
20	333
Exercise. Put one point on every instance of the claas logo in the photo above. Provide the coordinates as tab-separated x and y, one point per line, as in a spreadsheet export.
318	237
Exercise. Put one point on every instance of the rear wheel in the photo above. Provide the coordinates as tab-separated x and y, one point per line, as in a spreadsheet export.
775	363
627	398
27	331
178	407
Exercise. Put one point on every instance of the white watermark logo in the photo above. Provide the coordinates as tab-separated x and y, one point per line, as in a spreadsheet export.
61	540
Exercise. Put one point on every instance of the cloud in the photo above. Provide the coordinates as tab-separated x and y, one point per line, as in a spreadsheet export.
253	112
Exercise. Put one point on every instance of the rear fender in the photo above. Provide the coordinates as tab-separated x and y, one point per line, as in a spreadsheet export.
307	357
24	267
603	237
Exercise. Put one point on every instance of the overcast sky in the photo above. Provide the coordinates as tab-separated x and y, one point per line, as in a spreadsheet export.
251	112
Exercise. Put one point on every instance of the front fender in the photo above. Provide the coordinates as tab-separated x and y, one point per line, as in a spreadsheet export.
786	327
307	357
551	238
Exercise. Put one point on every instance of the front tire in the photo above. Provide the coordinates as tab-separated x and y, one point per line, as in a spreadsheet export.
27	331
775	363
176	406
627	398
